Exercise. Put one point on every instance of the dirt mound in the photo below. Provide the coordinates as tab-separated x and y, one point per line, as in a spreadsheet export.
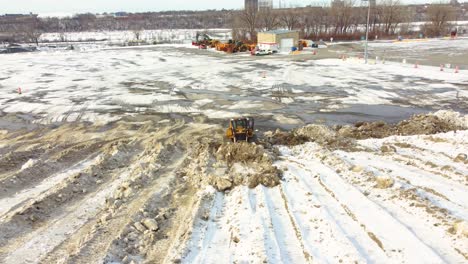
283	138
246	164
440	122
320	134
343	137
363	130
427	125
229	165
243	152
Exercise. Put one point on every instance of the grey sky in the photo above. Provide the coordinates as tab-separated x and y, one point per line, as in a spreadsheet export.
98	6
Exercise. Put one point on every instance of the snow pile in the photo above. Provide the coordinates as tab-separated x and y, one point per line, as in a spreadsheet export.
454	118
317	133
423	124
242	156
229	165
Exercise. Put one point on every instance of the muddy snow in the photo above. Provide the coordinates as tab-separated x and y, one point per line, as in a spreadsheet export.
152	192
123	160
105	85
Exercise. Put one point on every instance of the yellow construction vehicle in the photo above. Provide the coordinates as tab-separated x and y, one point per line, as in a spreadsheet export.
240	129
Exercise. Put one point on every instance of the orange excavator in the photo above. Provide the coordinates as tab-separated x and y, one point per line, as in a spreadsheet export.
241	129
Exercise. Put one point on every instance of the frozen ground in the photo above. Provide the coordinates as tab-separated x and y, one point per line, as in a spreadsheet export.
106	85
113	155
423	51
119	37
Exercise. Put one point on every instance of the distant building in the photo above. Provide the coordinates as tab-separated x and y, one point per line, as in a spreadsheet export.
282	40
251	5
265	4
14	26
337	3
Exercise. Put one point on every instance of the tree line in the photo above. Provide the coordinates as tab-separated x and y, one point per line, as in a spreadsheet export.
346	20
342	19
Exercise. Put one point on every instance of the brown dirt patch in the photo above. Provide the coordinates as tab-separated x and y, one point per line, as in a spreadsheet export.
416	125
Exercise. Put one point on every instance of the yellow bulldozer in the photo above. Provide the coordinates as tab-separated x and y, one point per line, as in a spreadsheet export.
241	129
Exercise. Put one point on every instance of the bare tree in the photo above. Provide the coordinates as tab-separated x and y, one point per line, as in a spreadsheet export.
249	20
33	36
32	30
306	22
268	19
342	14
439	15
289	18
391	14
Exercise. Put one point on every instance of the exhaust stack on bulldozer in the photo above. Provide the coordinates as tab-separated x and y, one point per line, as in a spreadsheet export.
241	129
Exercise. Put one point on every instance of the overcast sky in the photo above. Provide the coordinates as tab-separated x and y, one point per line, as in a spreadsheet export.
99	6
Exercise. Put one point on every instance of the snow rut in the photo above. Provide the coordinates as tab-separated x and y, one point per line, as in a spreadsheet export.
107	239
79	209
330	234
330	208
373	219
410	211
228	234
45	221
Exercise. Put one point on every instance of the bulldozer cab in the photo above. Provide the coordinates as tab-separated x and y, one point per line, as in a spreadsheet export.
240	129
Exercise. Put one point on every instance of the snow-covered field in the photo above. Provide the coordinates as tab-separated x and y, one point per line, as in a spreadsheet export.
118	37
112	155
446	47
106	85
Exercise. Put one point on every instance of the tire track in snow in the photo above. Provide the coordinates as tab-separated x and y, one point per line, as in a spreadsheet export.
234	230
455	192
246	239
95	248
204	235
418	215
271	244
289	248
32	246
401	244
46	239
9	203
295	226
53	204
47	163
332	234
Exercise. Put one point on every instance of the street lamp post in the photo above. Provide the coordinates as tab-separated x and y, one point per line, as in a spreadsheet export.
366	49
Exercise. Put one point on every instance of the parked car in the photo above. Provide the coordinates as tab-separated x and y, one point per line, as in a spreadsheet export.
263	52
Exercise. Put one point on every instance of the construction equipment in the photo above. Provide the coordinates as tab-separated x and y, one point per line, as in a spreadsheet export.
241	129
202	40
